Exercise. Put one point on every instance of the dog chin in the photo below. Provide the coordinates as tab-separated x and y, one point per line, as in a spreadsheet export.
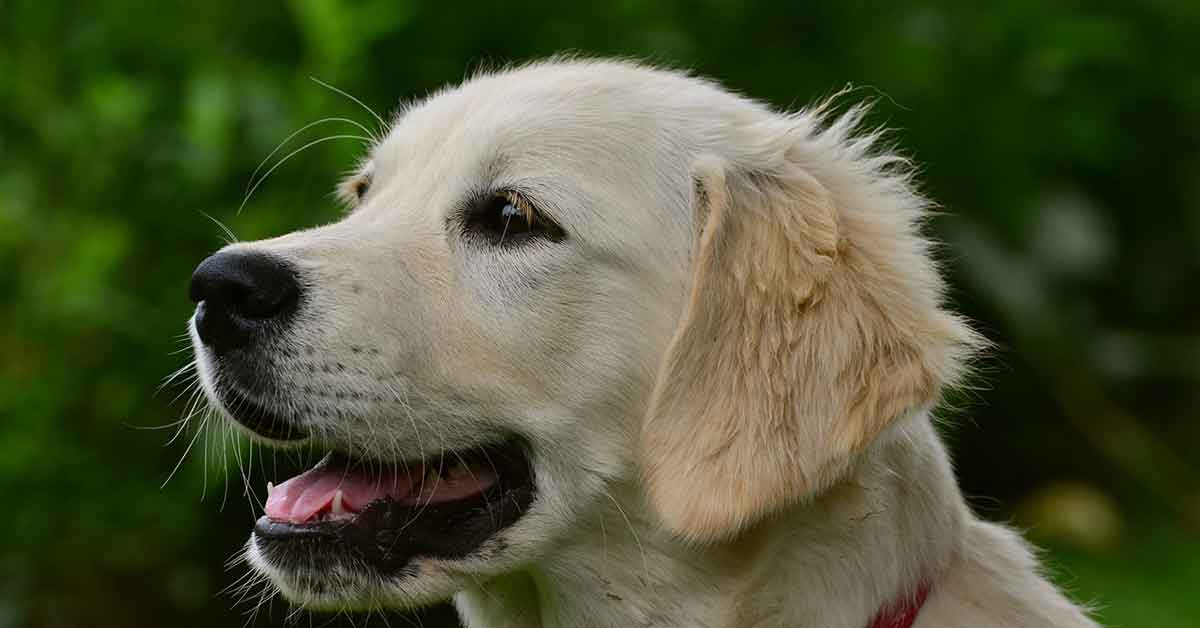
344	588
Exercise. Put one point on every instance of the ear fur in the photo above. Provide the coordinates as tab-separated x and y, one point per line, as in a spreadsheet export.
813	322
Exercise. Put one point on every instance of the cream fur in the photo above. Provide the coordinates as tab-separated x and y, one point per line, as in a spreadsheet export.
726	371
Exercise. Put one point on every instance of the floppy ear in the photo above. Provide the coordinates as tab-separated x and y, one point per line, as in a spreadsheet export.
809	328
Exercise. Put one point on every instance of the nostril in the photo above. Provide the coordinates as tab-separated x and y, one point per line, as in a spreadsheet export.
235	291
268	299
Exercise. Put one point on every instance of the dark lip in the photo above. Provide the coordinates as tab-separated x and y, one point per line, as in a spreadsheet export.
258	418
386	536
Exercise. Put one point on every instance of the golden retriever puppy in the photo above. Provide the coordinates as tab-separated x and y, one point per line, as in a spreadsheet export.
606	345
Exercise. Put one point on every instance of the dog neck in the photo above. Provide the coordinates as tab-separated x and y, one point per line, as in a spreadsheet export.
865	548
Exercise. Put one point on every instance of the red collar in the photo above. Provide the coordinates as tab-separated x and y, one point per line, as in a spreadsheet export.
901	613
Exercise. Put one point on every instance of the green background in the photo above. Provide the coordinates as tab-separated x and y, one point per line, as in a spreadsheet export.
1062	140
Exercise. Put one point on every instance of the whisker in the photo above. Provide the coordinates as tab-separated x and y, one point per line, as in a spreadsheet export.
264	177
382	124
641	550
175	375
298	131
487	503
421	507
247	490
227	435
207	448
230	238
496	474
184	456
165	426
192	387
193	409
186	347
603	547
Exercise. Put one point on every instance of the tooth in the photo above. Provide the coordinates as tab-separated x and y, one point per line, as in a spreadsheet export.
337	504
270	487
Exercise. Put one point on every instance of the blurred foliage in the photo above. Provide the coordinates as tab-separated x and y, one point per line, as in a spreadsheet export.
1062	140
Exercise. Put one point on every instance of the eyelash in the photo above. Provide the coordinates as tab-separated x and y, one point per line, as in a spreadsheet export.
507	218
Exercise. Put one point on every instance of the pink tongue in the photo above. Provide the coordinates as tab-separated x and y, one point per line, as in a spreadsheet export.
300	499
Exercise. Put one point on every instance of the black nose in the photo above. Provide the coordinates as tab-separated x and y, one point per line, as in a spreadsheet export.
239	294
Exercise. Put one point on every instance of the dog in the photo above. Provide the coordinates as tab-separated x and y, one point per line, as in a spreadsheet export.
603	344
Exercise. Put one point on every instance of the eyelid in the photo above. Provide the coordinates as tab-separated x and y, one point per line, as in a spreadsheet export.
520	203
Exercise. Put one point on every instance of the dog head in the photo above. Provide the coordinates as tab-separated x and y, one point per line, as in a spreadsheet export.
557	278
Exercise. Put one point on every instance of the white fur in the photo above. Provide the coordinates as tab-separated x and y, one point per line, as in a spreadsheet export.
433	341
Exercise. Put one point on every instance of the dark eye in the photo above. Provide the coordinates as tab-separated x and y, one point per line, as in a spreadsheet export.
352	191
360	187
507	218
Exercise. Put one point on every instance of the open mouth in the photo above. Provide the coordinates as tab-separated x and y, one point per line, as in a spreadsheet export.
385	514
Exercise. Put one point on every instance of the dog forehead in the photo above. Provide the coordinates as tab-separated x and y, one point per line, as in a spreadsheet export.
559	115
